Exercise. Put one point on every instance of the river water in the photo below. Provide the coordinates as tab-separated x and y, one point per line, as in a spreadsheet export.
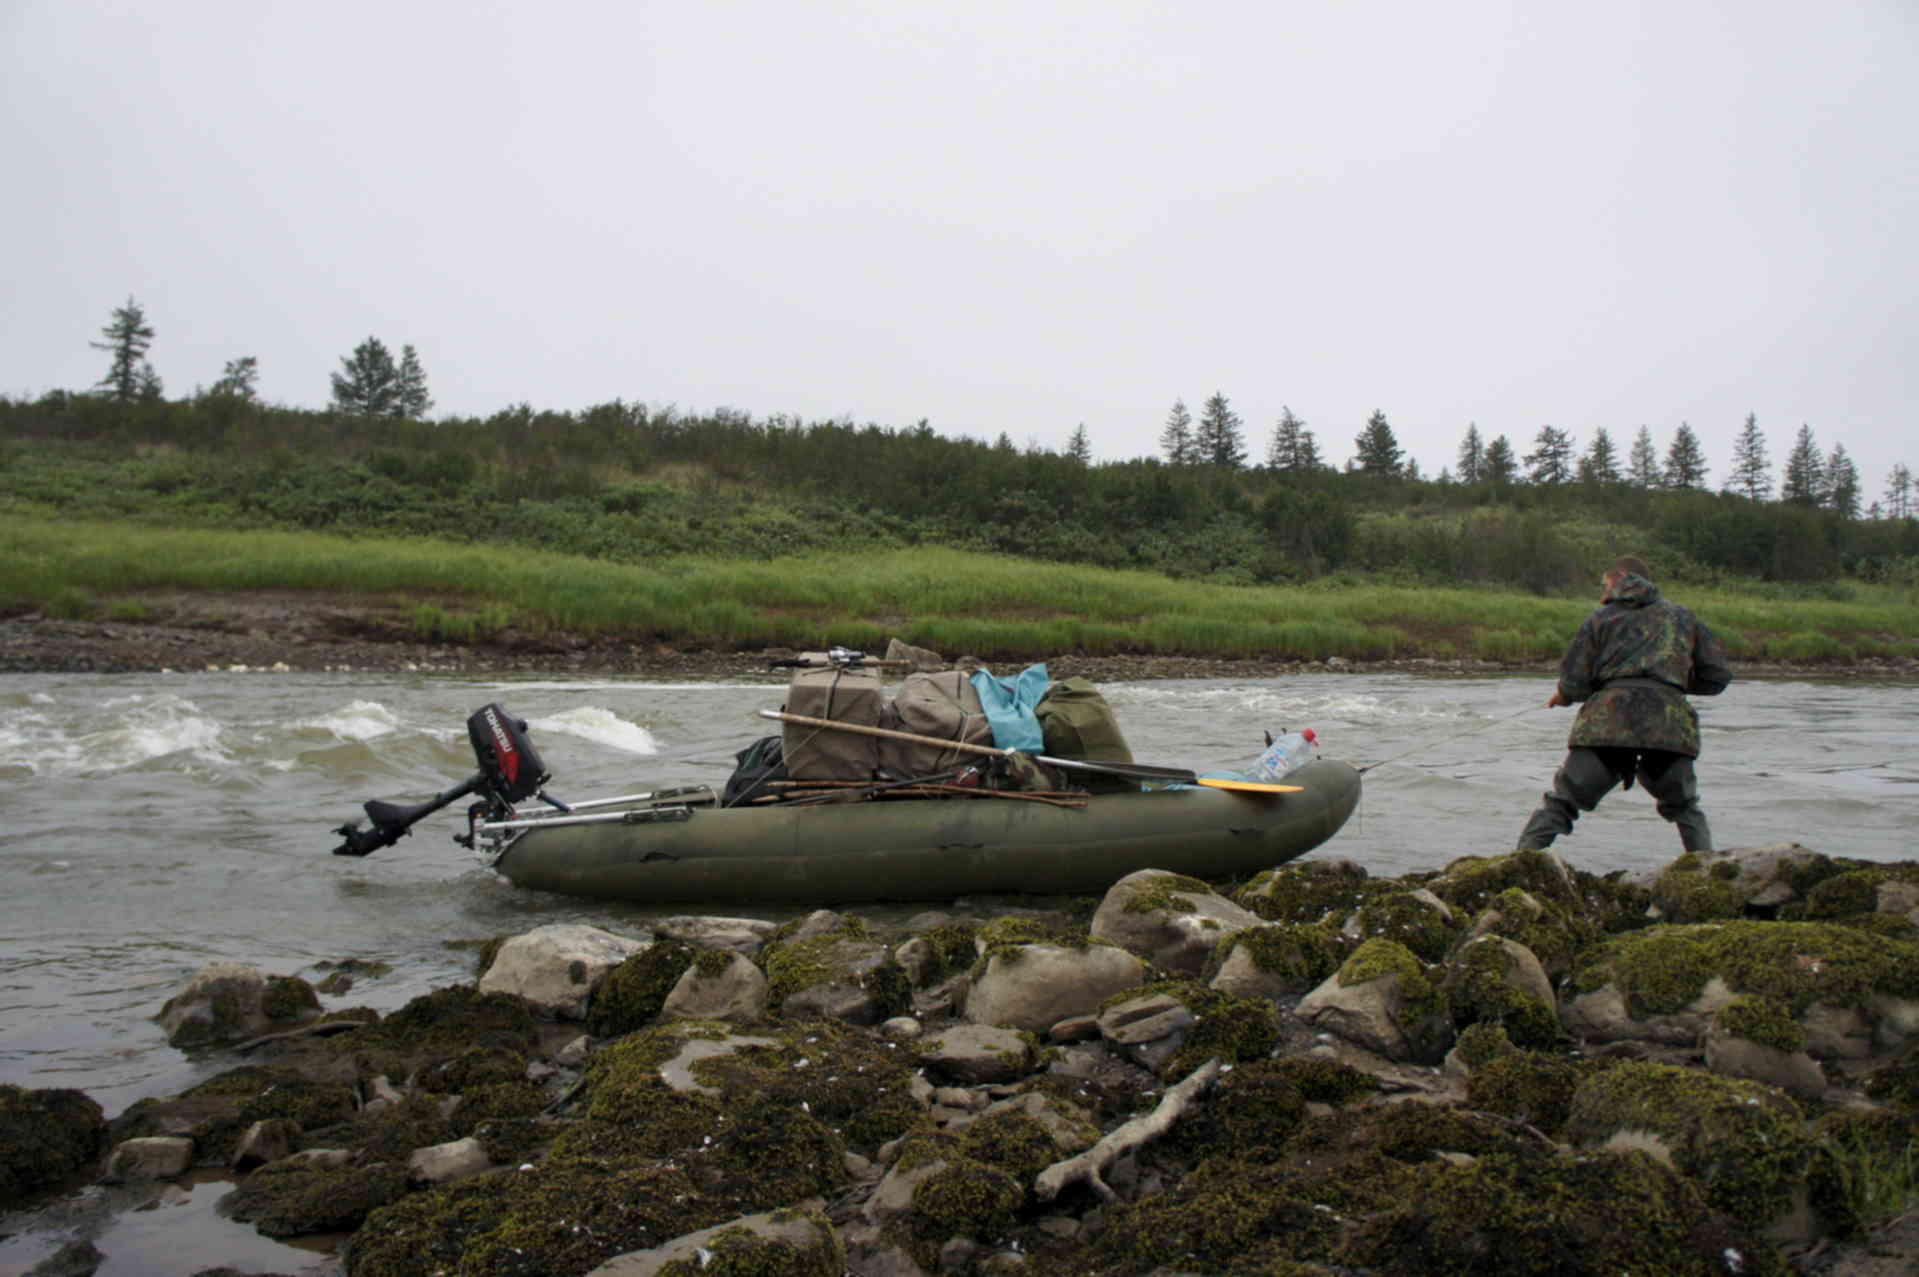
155	823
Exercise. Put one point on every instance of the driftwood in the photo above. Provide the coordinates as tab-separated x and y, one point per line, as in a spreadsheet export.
1124	1138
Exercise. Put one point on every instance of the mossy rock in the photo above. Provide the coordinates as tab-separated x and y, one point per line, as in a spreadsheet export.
1301	955
1533	1087
1471	883
217	1112
742	1252
1403	916
505	1118
1526	1212
1553	933
46	1136
962	1198
1741	1142
1761	1020
1479	989
437	1028
1229	1027
1408	1131
1425	1018
1311	893
1696	888
1166	893
630	996
294	1198
1897	1083
1235	1217
393	1133
1004	937
1253	1109
476	1066
1480	1044
848	955
1665	969
554	1219
1014	1142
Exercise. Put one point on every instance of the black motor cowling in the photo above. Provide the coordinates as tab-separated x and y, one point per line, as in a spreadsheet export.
510	772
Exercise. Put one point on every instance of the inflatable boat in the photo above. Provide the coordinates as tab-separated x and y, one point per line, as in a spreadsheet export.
878	842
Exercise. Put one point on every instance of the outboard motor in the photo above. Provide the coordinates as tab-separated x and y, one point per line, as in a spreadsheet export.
510	772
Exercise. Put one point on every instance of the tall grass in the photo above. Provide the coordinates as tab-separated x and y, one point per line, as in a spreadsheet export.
949	600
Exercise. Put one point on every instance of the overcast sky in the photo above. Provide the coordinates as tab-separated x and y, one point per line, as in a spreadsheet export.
1000	216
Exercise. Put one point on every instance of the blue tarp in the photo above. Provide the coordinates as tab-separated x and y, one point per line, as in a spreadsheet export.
1009	707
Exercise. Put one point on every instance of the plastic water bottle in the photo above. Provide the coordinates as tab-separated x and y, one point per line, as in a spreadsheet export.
1285	755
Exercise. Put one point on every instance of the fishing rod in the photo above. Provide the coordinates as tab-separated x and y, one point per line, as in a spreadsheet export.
1491	722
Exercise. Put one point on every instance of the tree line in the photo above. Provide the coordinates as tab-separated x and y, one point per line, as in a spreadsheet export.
1812	478
369	383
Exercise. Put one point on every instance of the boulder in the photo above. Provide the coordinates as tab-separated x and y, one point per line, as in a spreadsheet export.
556	967
740	935
444	1163
45	1136
1034	986
839	973
718	986
797	1242
1493	980
150	1157
1382	999
1276	960
229	1002
1169	919
264	1141
1147	1029
976	1054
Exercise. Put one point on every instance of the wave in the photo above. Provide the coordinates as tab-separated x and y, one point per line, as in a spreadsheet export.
601	727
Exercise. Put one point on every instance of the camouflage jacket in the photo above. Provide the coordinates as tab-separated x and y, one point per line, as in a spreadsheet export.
1632	664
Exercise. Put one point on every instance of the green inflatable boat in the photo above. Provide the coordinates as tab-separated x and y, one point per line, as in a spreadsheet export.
874	842
674	852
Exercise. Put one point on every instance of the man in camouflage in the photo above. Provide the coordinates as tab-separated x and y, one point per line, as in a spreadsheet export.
1633	663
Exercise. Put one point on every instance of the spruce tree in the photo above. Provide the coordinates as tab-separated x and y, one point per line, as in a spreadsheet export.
1899	492
1842	483
1600	464
1293	449
1751	468
1472	455
1176	440
1501	466
128	335
1377	452
1803	482
367	385
1642	467
1079	448
239	378
410	398
1551	460
1685	460
1218	440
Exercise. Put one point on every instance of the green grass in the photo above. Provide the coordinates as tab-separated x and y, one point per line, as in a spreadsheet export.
952	601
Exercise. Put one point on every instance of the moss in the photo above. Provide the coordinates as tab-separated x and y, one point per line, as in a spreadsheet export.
1403	916
1865	1169
295	1198
1795	963
1479	989
439	1027
504	1117
1472	882
474	1067
555	1218
1611	905
1761	1020
794	965
1529	1086
392	1134
1228	1026
1299	955
963	1198
1249	1114
1897	1083
1423	999
741	1252
1482	1043
1167	893
288	997
713	963
1310	893
1533	1212
1011	1141
1740	1141
632	993
1845	894
45	1136
1554	934
1693	889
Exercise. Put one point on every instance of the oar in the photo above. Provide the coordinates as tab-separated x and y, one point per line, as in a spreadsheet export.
1132	771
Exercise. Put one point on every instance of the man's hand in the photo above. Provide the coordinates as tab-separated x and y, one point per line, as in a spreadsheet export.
1557	698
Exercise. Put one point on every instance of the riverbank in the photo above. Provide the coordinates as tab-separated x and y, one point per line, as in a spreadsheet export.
266	630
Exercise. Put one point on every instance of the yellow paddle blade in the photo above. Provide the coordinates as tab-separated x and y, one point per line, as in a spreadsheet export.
1250	786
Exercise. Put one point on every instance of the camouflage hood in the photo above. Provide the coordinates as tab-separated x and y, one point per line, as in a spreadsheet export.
1633	590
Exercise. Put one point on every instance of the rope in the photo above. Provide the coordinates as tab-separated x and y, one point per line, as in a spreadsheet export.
1493	722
